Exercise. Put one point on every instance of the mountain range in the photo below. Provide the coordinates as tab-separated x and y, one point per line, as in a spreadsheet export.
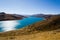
6	16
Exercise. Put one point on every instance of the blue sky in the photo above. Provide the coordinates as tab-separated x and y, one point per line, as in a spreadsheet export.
28	7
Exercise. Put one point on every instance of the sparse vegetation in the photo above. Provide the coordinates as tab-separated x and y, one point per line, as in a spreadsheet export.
45	30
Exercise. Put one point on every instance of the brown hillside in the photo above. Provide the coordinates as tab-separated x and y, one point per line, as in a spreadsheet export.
46	25
45	30
4	16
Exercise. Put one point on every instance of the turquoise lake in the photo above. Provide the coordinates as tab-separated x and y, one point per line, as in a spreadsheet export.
17	24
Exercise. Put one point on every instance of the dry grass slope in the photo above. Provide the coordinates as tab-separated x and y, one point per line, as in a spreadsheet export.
46	30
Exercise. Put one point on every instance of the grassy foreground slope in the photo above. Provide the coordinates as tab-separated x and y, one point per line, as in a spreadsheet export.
46	30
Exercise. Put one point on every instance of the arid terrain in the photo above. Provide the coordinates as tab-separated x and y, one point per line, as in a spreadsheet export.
48	29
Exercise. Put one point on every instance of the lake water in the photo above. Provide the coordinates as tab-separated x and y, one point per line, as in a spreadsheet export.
17	24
